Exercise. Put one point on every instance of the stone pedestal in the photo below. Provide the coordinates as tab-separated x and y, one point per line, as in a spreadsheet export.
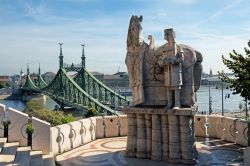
157	134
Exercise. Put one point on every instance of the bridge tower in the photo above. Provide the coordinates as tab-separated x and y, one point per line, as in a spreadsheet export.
60	77
20	79
28	70
83	67
83	56
61	56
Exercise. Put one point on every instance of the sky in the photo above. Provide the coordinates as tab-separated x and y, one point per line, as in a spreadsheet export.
30	31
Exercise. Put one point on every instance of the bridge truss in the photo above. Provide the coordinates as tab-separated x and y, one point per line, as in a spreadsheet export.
81	92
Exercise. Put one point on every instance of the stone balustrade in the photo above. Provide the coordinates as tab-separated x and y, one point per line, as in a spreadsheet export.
68	136
225	128
65	137
17	129
2	113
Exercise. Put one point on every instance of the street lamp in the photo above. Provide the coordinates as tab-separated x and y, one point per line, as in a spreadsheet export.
246	109
209	99
222	96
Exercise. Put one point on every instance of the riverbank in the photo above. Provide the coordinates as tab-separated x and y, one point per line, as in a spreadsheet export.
3	97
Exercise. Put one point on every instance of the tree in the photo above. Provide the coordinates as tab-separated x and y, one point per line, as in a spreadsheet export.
240	65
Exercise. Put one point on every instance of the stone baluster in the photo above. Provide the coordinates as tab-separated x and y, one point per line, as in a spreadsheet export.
141	136
149	134
174	139
164	130
156	138
132	134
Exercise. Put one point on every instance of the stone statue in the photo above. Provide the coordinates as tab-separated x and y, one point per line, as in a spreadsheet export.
134	59
171	61
163	80
147	74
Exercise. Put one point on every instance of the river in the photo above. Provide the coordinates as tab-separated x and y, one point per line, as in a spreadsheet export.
231	104
20	105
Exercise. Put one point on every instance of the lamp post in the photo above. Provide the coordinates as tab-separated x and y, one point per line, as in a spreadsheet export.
209	99
246	109
222	97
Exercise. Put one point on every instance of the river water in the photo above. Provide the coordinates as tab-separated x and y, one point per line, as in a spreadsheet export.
231	104
20	105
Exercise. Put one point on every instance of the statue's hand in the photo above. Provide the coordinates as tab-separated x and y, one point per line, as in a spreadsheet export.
161	61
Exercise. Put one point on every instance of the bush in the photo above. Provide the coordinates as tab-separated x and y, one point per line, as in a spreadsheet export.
29	129
92	112
35	108
34	105
53	117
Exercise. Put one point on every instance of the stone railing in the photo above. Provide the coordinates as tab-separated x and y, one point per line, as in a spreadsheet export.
16	133
65	137
68	136
225	128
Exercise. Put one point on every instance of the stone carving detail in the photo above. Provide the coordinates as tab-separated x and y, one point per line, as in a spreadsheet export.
166	75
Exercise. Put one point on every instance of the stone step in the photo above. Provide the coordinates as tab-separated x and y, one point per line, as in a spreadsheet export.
8	154
36	158
22	156
48	160
2	142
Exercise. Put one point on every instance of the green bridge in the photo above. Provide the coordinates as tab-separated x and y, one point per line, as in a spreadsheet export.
82	92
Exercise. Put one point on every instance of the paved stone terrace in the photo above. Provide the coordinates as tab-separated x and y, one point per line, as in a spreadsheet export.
110	152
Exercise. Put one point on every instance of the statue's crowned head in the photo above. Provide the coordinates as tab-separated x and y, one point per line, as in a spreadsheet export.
169	35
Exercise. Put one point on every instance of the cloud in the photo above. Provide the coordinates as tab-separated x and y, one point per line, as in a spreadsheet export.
184	1
218	13
105	35
36	8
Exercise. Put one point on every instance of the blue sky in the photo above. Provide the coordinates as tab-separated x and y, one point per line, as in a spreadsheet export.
31	29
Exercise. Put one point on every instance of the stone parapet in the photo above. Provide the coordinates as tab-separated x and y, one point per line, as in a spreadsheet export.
18	123
199	125
41	135
71	135
215	126
228	129
166	135
2	114
242	132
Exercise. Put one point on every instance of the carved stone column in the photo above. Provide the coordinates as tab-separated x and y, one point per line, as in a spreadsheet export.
156	138
149	134
187	138
141	137
164	130
174	139
132	136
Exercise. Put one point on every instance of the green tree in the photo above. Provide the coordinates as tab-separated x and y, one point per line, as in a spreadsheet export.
240	65
2	85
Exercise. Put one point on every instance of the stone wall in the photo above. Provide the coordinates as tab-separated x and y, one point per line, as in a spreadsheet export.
18	123
199	125
41	135
225	128
215	126
68	136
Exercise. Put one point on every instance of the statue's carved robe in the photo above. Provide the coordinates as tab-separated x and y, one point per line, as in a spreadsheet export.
135	65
